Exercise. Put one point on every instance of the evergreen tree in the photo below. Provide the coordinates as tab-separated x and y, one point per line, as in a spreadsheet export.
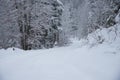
30	24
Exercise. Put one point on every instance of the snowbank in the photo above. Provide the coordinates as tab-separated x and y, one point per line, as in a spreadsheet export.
105	37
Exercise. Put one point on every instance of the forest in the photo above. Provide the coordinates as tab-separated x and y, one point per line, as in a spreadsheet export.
59	39
38	24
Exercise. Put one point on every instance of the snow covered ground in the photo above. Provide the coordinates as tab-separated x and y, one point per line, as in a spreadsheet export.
65	63
98	59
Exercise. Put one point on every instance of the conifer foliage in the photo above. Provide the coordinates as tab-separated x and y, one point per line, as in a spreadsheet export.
36	22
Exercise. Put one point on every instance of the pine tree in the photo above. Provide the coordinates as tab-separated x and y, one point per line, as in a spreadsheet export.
30	24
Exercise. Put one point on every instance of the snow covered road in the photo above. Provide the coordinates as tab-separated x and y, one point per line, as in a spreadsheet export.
65	63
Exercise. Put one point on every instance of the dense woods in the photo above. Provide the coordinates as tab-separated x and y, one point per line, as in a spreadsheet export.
30	24
37	24
85	16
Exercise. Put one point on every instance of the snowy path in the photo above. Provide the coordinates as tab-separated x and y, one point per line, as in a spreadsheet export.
65	63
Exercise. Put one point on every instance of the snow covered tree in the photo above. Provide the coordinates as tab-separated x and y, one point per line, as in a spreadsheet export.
9	30
24	19
45	23
31	24
102	13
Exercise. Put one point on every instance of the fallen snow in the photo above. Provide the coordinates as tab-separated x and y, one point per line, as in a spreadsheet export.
105	37
75	62
65	63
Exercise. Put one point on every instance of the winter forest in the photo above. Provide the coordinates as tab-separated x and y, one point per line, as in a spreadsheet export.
37	24
59	39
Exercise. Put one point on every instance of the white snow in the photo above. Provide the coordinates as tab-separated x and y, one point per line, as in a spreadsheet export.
106	37
75	62
65	63
117	18
60	2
